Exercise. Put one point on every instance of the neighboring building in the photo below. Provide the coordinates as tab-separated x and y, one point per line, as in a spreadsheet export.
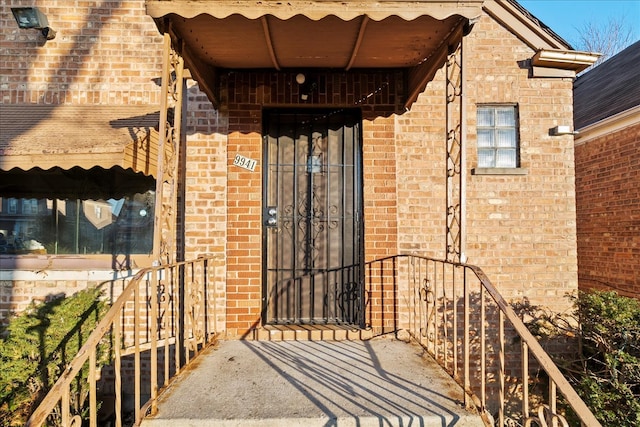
313	139
607	119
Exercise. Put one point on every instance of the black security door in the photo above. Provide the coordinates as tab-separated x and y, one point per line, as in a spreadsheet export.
312	217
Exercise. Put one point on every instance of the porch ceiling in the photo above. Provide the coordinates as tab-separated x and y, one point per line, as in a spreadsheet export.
232	34
237	42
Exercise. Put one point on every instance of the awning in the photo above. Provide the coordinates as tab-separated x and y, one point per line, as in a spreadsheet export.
376	10
83	136
96	183
263	34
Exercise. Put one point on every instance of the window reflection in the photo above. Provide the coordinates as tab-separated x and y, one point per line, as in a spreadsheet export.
73	226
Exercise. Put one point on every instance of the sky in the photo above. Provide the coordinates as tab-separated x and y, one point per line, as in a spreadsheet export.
566	17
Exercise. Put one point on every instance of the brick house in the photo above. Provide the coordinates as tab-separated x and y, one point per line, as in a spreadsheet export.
607	119
312	138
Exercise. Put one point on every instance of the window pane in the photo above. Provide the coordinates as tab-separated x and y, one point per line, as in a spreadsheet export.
506	158
485	138
29	206
506	138
505	116
12	205
497	136
486	158
485	116
123	226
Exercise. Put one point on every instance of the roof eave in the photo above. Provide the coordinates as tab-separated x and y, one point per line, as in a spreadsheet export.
522	24
608	125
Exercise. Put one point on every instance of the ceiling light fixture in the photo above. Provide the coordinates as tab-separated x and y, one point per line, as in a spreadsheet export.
32	17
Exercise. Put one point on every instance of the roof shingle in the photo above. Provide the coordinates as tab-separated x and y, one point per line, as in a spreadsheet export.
610	88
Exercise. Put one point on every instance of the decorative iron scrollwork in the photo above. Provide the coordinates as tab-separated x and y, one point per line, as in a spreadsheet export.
349	302
546	418
311	223
454	108
313	253
165	246
164	299
428	297
426	292
194	311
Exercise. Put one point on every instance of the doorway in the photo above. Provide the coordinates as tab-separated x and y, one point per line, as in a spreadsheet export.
312	217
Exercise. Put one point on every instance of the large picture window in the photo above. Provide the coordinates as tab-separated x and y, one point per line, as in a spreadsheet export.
77	226
498	136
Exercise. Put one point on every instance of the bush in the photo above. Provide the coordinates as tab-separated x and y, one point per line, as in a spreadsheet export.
605	367
37	346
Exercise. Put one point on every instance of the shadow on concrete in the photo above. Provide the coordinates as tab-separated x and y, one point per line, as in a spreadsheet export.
315	383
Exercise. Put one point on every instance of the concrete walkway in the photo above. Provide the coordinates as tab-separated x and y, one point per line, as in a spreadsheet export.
379	382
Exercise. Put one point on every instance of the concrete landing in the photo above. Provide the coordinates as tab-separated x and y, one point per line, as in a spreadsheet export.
379	382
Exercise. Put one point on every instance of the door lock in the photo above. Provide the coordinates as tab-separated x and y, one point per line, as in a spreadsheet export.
272	216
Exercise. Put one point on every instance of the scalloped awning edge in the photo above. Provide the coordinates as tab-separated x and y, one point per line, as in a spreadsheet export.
316	10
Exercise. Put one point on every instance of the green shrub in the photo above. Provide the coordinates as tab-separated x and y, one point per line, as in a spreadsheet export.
610	357
605	366
38	345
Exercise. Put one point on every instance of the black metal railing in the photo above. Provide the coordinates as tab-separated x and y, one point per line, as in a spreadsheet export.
456	313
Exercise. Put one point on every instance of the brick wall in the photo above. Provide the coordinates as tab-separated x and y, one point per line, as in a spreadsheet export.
102	54
608	205
246	94
521	229
19	288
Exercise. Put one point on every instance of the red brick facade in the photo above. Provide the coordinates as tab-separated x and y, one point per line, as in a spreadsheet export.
521	229
608	201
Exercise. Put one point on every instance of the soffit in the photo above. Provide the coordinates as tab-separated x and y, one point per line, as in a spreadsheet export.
237	42
341	35
85	136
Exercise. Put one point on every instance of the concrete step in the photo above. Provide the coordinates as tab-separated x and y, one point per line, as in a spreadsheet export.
377	382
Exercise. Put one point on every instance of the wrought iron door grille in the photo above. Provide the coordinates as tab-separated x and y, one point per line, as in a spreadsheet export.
313	217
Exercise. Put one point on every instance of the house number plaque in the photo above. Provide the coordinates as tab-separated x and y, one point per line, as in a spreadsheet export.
245	162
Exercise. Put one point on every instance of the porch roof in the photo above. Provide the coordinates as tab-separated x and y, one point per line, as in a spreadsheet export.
300	34
376	10
409	35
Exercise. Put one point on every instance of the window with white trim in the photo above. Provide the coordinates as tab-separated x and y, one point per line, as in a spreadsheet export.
497	127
